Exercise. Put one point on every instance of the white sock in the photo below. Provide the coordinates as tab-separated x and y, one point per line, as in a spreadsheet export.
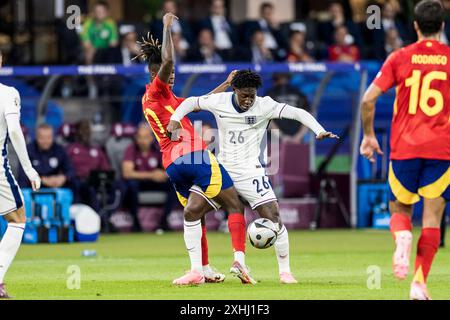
9	246
282	250
193	241
207	269
239	256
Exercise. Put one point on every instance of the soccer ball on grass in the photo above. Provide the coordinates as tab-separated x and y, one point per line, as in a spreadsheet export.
262	233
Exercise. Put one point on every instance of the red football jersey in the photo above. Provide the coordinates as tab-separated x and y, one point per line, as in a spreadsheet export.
421	120
158	105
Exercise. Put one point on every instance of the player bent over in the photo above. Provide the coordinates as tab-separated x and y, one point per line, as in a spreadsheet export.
420	140
11	198
188	164
242	119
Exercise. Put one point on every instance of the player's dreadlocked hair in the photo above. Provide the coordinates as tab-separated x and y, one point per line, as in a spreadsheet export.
150	51
246	79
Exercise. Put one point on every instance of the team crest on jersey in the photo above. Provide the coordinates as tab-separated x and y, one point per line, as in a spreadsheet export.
250	119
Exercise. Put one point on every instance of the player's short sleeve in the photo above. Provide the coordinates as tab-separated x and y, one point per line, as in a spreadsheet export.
272	108
385	79
209	102
12	102
160	87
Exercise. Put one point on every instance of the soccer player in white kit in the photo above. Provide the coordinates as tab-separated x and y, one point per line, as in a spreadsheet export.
11	198
242	119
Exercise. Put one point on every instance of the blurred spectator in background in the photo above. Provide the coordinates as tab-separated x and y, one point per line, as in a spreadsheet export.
259	52
180	47
223	30
338	19
297	49
99	34
85	159
272	36
129	48
392	42
49	159
205	51
283	92
179	25
142	170
342	51
389	21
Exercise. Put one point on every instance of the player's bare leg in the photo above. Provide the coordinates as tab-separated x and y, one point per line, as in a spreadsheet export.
428	244
229	200
193	213
10	245
401	228
271	211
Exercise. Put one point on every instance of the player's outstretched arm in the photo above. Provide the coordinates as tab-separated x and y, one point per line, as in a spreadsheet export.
369	145
167	50
12	116
300	115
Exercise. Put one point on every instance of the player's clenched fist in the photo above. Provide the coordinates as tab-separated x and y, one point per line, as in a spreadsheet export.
168	19
173	129
369	146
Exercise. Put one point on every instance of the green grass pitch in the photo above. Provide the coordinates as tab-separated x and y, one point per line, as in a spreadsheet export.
328	264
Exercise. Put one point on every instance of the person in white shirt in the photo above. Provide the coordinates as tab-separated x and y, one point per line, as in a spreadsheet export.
242	119
220	26
11	198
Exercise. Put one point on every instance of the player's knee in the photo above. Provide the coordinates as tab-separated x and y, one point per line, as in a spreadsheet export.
272	215
17	216
192	213
235	206
396	207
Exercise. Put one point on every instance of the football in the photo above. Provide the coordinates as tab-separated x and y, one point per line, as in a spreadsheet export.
262	233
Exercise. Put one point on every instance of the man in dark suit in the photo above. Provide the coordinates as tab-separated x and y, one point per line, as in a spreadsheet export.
206	50
178	26
273	38
223	30
338	18
389	21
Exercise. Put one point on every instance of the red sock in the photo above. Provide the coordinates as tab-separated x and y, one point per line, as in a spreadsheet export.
236	225
426	249
205	261
400	222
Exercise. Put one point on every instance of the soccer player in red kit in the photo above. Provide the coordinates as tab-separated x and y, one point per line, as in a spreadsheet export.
193	170
420	140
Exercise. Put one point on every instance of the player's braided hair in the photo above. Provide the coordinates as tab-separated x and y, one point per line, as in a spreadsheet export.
246	79
150	51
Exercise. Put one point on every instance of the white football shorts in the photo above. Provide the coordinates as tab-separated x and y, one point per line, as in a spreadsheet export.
256	190
11	197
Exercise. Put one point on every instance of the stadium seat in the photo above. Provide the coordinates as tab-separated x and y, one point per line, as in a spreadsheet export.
121	137
66	134
294	169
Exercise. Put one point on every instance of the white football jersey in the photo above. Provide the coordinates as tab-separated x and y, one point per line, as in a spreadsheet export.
240	133
9	103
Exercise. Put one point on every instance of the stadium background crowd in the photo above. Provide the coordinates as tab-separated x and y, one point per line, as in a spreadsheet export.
321	31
